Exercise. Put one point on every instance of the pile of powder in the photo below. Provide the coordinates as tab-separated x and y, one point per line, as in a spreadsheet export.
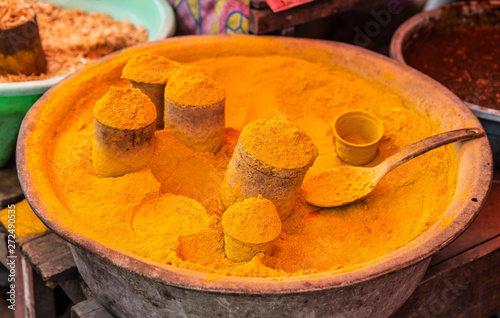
125	108
254	220
148	68
276	144
194	86
184	215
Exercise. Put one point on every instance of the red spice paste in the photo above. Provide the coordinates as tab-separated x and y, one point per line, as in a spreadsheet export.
467	61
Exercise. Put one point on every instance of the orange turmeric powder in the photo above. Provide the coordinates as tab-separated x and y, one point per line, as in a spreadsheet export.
310	94
250	227
195	108
194	86
261	225
148	68
299	150
186	216
271	159
123	139
150	73
26	221
125	109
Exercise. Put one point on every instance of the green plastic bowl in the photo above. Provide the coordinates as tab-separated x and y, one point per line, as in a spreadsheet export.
16	98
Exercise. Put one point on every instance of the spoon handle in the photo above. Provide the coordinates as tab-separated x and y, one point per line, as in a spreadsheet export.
423	146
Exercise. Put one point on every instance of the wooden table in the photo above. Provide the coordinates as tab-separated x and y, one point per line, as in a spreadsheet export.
463	279
43	262
10	189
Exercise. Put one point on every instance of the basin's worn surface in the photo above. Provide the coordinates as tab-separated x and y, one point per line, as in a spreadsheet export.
377	297
131	286
451	17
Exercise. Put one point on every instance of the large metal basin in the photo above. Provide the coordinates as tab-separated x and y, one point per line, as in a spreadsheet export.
130	286
455	16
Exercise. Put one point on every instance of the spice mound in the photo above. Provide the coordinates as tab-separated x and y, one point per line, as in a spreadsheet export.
254	220
125	108
172	210
278	144
271	159
250	227
185	216
194	86
123	132
148	68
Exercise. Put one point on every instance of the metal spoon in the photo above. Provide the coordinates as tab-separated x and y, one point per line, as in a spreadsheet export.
346	184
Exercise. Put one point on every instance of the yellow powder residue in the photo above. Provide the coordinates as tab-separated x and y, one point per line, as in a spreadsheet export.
201	247
125	108
339	186
26	222
174	165
194	86
254	220
401	207
278	144
183	215
447	220
148	68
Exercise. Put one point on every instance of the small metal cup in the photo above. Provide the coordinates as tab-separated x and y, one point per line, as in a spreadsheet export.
357	134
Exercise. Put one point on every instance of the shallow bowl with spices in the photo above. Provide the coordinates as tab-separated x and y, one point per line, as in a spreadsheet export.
132	286
17	97
460	16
